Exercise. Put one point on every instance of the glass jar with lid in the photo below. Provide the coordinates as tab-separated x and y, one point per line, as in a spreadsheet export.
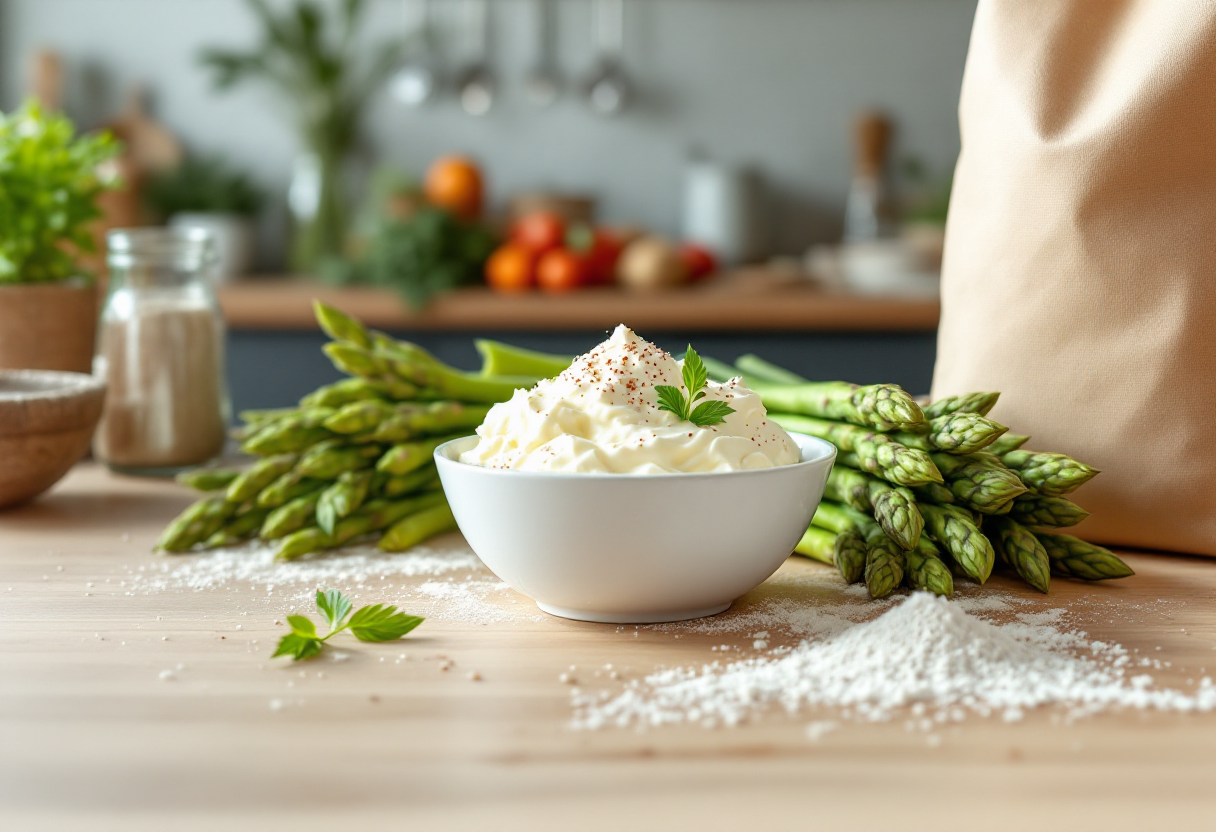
160	348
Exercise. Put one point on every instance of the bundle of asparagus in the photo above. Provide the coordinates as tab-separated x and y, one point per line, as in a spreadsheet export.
355	458
921	496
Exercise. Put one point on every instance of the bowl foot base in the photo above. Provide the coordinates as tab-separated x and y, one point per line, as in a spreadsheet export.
631	618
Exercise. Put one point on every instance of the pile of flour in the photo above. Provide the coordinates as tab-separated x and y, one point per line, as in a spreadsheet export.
926	650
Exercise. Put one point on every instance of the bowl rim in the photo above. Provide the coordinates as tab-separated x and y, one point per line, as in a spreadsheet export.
59	384
441	459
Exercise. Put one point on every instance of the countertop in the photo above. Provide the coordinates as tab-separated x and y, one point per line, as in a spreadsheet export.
741	303
94	738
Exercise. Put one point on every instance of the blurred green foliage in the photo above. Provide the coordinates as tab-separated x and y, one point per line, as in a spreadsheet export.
49	184
204	184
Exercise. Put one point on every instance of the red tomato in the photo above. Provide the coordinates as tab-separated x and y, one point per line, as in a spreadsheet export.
601	259
700	261
561	270
511	269
540	232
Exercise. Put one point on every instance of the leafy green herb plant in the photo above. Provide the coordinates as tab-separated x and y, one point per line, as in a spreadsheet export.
327	75
672	400
49	184
375	622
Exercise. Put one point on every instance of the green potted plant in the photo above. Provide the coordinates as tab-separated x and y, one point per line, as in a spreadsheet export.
203	192
50	178
321	72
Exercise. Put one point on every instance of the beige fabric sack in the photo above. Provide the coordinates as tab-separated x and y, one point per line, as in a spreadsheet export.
1080	269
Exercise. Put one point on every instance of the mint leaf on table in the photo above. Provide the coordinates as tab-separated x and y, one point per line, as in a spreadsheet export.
381	622
302	626
334	606
695	376
297	646
375	622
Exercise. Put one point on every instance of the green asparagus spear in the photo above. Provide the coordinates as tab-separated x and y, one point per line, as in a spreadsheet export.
258	476
850	553
360	416
876	453
409	531
340	326
266	416
208	479
877	406
924	570
955	531
409	456
956	433
818	544
894	508
499	359
374	516
344	392
1009	442
412	421
342	498
753	366
291	516
287	487
934	492
1021	550
290	434
980	481
718	371
1046	512
1072	557
1052	475
326	462
197	523
239	528
979	403
423	479
885	563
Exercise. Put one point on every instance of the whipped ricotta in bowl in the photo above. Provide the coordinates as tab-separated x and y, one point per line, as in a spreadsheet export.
602	416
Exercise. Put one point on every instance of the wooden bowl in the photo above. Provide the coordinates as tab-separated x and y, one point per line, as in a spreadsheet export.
47	420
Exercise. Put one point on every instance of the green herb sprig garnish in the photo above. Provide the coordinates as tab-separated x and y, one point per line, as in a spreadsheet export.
375	622
695	376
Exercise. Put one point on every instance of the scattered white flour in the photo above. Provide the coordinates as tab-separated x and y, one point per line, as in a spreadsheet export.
474	601
925	652
253	565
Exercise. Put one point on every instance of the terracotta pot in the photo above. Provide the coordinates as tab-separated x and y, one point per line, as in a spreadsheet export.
48	327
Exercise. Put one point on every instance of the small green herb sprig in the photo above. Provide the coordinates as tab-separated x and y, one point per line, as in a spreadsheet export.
375	622
672	400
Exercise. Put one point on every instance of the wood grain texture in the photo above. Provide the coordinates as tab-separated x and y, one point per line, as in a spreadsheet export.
93	739
726	306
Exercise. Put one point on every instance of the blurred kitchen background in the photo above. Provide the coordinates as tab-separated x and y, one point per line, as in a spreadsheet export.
762	132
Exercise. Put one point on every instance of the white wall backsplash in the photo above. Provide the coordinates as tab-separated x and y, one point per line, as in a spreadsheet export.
770	84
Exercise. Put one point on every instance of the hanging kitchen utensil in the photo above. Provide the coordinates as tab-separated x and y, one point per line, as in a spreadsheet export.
476	83
544	83
609	89
416	81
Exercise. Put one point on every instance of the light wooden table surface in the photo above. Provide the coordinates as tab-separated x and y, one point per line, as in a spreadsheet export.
92	738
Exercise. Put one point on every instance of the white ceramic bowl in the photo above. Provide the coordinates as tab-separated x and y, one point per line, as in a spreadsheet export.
633	548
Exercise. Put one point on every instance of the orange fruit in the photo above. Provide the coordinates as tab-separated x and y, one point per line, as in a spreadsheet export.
561	270
454	183
511	269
